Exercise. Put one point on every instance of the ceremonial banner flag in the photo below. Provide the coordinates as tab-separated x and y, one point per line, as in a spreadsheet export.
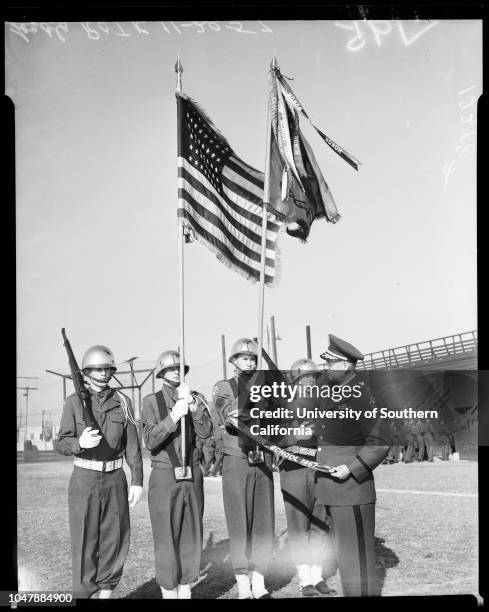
299	193
220	197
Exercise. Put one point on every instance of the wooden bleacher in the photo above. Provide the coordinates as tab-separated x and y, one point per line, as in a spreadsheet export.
458	351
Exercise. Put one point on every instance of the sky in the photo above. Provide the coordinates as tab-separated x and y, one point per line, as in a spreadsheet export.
96	201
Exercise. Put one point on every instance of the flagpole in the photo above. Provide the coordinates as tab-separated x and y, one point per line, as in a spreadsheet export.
181	279
266	202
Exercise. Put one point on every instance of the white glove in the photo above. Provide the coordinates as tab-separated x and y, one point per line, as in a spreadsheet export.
179	410
232	417
89	438
184	393
135	493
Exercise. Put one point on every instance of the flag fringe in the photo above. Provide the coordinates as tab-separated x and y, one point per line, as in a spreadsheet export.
223	259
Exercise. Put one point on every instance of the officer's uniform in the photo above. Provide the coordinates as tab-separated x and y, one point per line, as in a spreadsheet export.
175	508
247	489
98	505
349	505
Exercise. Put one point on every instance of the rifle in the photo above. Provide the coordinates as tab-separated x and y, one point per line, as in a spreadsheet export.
77	377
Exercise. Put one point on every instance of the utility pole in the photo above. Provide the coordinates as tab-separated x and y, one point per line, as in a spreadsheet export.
43	430
26	390
223	349
308	341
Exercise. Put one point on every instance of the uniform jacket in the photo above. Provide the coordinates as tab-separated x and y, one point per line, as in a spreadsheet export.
119	435
162	435
361	445
225	400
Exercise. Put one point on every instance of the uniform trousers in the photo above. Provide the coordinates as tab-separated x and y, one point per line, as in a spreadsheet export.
207	459
249	509
308	534
353	530
217	467
99	529
176	510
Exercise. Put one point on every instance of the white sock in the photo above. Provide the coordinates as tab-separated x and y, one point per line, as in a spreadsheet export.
169	593
304	574
258	584
184	591
316	573
244	589
104	593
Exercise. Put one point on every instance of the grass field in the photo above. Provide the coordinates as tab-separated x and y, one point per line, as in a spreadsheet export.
426	534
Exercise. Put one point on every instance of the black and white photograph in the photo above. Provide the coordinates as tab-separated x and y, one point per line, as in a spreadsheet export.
246	307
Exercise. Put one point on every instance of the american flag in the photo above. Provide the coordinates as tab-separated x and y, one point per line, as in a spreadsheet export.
220	196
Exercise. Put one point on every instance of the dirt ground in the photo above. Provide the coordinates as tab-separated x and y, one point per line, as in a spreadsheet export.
426	535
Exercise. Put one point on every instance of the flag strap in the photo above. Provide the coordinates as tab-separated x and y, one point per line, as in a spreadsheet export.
263	442
292	99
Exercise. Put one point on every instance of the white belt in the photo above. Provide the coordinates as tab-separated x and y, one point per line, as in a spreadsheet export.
302	450
98	466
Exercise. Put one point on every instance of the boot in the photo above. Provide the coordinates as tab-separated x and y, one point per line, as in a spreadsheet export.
244	588
319	583
184	591
169	593
258	586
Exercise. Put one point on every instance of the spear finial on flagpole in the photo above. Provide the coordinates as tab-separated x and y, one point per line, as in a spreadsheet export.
179	70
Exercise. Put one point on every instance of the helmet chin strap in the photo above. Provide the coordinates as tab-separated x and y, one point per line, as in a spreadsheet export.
98	386
95	385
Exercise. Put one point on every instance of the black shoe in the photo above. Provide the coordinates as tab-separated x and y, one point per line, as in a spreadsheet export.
308	591
265	596
323	588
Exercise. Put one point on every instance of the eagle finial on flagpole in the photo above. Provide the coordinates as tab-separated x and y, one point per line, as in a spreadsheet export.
179	70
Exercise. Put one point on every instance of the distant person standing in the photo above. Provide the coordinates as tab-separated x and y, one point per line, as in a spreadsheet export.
97	497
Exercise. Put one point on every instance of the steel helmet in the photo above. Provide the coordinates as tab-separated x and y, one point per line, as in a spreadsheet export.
168	359
98	356
301	367
244	346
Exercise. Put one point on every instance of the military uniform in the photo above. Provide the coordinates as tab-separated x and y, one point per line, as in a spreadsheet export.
97	498
217	467
175	508
349	504
208	454
247	489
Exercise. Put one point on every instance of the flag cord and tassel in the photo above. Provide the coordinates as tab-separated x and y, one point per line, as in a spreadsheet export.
181	279
266	202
